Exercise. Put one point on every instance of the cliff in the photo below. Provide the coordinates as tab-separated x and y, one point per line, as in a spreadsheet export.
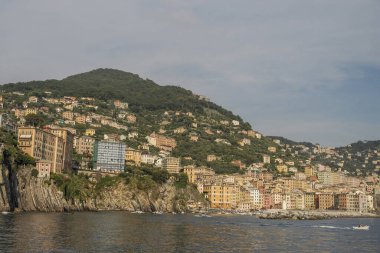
36	194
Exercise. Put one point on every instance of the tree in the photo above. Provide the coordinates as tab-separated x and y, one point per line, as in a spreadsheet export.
36	120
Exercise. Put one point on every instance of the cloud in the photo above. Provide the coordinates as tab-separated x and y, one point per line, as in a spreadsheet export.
284	60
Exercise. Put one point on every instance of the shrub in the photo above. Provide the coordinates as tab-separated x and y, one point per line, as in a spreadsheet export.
34	173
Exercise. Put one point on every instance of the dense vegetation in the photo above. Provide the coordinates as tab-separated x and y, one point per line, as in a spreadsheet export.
81	187
10	151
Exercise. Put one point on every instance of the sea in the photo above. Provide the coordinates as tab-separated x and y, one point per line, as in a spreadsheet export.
146	232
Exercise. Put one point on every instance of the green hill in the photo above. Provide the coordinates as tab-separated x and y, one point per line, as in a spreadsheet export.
108	84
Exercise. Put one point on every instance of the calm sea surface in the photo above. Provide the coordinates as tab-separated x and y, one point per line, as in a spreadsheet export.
126	232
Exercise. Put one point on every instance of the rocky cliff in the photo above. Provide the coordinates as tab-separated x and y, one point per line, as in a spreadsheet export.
22	192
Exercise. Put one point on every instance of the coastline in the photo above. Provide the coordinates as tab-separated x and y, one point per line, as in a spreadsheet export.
312	214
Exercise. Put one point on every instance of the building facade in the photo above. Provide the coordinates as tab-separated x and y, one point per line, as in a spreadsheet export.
43	146
109	156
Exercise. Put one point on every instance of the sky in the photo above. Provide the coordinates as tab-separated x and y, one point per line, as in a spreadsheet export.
303	69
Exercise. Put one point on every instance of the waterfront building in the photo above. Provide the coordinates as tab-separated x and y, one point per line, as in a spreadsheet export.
109	156
223	196
309	198
325	200
43	146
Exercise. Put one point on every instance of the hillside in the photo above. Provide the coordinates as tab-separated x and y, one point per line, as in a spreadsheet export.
205	134
200	127
105	84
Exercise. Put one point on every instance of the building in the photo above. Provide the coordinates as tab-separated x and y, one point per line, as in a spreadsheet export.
43	168
109	156
80	119
33	99
43	146
195	174
325	200
281	168
172	164
68	143
85	145
90	132
325	177
224	196
148	158
266	159
161	141
309	171
133	155
309	198
120	105
68	115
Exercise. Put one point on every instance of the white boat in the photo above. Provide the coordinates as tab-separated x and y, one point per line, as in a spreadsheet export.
361	227
5	212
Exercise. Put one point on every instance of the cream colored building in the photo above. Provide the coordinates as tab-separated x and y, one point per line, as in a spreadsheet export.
133	155
43	146
172	164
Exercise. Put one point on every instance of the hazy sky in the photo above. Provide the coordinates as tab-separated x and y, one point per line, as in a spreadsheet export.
306	70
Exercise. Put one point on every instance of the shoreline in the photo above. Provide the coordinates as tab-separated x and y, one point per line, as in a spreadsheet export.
312	214
264	214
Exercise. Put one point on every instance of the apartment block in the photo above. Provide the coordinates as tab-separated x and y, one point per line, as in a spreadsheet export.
109	156
68	143
43	146
222	195
85	145
172	164
325	200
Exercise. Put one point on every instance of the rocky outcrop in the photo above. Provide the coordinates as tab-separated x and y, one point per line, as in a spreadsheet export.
36	194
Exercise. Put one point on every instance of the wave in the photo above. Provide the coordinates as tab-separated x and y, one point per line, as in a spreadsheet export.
332	227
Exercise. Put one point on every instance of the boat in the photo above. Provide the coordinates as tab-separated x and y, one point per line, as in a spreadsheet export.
5	212
361	227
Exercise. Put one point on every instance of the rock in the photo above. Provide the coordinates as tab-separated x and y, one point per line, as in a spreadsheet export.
33	194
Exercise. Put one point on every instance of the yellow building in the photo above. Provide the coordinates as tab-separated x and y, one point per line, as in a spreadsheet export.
30	111
90	132
309	198
196	173
81	119
309	171
68	115
225	196
43	146
133	155
282	168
